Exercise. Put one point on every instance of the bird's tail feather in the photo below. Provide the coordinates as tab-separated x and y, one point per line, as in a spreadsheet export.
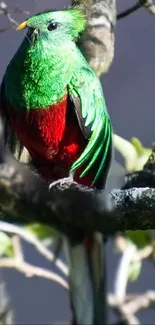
99	279
87	281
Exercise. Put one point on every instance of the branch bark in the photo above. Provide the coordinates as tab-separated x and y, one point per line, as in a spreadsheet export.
97	42
25	197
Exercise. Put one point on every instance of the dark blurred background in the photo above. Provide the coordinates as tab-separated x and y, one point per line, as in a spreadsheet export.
129	89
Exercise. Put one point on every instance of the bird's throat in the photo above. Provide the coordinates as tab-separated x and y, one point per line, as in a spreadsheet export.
40	77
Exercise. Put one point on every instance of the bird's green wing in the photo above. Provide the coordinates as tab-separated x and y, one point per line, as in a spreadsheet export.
86	92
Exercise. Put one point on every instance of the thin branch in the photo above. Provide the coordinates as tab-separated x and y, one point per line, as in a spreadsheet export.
143	301
143	253
30	270
17	248
6	313
148	4
129	11
129	318
5	11
12	20
29	238
131	305
122	272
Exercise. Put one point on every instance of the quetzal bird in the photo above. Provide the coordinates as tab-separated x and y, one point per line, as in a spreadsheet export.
53	101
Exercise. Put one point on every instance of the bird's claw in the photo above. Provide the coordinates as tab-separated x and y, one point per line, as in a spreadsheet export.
69	179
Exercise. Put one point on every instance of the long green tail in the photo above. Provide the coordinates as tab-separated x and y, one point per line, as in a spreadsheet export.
87	277
87	281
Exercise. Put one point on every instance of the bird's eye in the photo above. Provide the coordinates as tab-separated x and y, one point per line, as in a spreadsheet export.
52	26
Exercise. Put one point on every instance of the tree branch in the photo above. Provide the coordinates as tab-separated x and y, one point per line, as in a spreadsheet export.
97	42
5	11
29	238
31	270
122	272
131	305
25	197
148	4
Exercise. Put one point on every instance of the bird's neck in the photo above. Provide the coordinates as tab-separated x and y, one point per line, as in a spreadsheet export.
37	76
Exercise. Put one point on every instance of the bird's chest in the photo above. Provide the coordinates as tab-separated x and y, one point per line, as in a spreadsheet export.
51	135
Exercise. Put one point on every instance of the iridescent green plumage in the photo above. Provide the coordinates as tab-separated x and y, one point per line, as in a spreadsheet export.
46	60
51	64
87	87
49	67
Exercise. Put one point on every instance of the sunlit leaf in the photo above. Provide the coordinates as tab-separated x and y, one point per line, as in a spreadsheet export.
5	244
134	270
139	237
43	233
133	152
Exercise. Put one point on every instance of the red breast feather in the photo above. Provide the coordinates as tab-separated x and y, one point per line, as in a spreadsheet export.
52	136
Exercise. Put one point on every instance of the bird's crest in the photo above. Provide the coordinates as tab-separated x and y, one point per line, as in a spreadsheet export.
72	20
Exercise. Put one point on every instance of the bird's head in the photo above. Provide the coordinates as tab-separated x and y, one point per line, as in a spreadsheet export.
55	26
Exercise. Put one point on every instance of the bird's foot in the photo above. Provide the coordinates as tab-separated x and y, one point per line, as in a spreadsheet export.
61	181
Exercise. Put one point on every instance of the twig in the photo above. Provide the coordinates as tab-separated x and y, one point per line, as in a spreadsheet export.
6	313
30	270
122	273
129	317
12	20
122	243
129	11
148	4
143	301
144	253
17	247
128	310
131	305
28	237
4	10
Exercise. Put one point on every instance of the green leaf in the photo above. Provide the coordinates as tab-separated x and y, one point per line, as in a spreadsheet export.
139	237
43	233
5	245
134	270
139	147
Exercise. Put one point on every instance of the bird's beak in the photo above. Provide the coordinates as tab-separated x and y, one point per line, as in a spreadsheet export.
22	25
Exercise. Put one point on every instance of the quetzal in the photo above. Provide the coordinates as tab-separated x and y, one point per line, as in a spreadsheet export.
54	103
